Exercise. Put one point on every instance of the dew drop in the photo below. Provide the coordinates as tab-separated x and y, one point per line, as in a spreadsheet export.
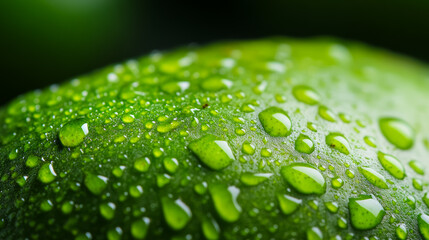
46	173
73	133
374	177
314	233
326	114
107	210
213	152
423	222
338	142
216	84
305	94
397	132
365	212
417	167
304	144
32	161
275	122
171	165
142	164
253	179
139	228
337	183
392	165
332	206
211	229
95	184
401	231
175	87
288	204
225	201
248	148
304	178
370	141
176	213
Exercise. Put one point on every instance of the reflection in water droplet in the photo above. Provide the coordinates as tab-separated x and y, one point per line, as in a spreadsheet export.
214	153
275	122
365	212
397	132
304	178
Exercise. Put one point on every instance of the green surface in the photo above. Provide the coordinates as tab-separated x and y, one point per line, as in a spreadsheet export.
277	138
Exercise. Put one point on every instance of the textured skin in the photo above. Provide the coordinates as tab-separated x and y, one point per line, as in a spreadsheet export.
132	113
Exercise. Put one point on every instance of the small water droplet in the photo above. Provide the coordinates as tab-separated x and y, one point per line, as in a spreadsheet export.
365	212
46	173
107	210
176	213
401	231
128	118
417	167
32	161
374	177
216	84
337	183
266	152
332	206
425	199
288	204
142	164
275	122
95	184
397	132
248	148
314	233
46	205
392	165
312	126
171	165
370	141
162	180
211	229
345	118
253	179
304	178
423	222
326	114
140	227
74	132
213	152
417	184
136	191
338	142
305	94
304	144
175	87
225	201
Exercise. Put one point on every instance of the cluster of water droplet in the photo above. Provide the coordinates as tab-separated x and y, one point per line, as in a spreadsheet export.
232	141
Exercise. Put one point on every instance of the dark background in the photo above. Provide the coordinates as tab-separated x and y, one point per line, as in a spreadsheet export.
49	41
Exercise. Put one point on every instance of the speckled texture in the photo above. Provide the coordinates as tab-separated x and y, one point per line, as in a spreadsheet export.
139	113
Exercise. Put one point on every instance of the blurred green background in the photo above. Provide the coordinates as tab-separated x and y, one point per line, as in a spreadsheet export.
49	41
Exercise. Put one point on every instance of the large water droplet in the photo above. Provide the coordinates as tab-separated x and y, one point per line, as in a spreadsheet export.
374	177
139	228
214	153
275	122
253	179
304	144
73	133
46	173
211	229
423	222
338	142
365	212
288	204
176	213
225	201
397	132
392	165
305	94
95	184
304	178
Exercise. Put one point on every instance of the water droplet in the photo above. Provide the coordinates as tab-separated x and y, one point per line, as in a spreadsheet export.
171	165
114	234
417	184
426	199
32	161
305	94
266	152
142	164
73	133
392	165
288	204
46	206
332	206
214	153
253	179
211	229
345	118
136	191
216	84
401	231
342	223
326	114
175	87
312	126
304	144
139	228
397	132
157	152
275	122
350	173
304	178
417	167
370	141
248	148
314	233
338	142
176	213
225	201
95	184
337	182
423	222
365	212
128	118
247	108
46	173
162	180
411	201
107	210
374	177
200	188
167	127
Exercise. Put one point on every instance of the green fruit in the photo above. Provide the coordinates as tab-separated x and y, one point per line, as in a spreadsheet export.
267	139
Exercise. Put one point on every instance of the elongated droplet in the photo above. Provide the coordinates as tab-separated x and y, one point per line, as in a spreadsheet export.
214	153
392	165
176	213
397	132
288	204
139	228
225	201
275	122
253	179
338	142
314	233
211	229
73	133
365	212
305	94
374	177
304	178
